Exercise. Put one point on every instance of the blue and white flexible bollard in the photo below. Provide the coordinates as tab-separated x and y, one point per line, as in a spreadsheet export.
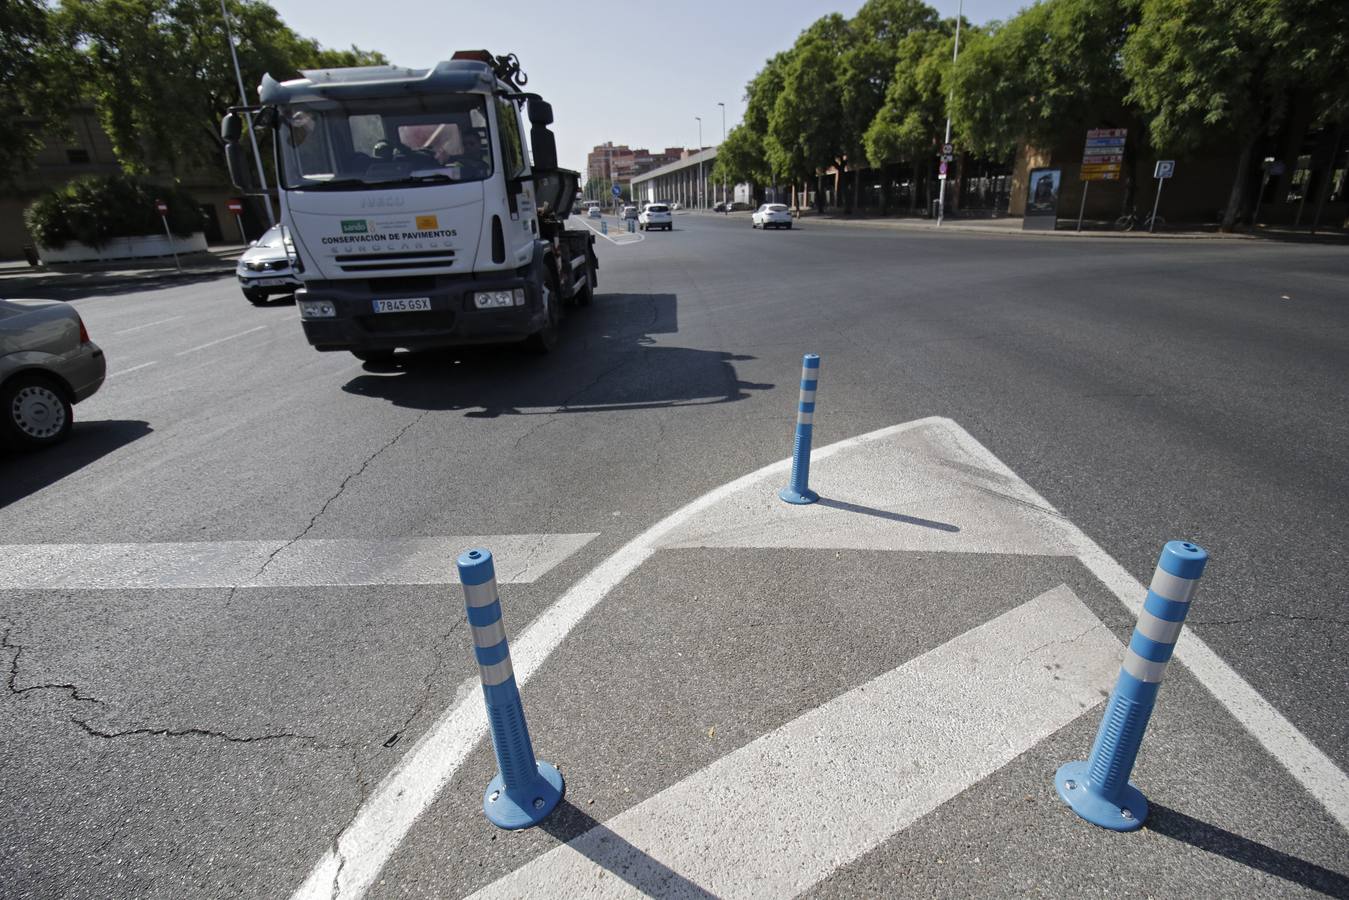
525	790
604	227
799	490
1099	789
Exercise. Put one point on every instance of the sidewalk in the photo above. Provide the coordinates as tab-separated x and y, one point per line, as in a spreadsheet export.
1009	225
16	277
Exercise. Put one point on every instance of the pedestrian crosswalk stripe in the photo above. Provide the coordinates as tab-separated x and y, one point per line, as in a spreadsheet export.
523	558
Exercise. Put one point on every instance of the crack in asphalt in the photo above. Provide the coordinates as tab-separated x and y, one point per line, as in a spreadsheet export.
1068	640
313	520
427	683
12	685
200	732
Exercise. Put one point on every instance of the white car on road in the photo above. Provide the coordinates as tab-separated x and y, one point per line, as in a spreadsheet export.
772	215
656	215
265	268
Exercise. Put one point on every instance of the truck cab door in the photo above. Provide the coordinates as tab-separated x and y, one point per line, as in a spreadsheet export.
522	228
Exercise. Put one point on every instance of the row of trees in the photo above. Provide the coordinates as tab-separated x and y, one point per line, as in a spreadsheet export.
158	72
1183	77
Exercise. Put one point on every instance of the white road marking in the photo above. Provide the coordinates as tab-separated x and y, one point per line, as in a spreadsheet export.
133	369
898	747
391	809
218	341
636	234
521	558
147	325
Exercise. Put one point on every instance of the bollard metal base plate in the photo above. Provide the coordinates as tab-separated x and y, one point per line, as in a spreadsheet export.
1126	816
523	807
796	497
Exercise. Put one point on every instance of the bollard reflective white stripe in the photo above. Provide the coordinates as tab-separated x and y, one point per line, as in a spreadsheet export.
1143	669
1172	587
1163	631
805	418
496	673
489	635
480	594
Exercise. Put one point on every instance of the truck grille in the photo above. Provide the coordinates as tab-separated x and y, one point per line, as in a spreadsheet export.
390	262
395	323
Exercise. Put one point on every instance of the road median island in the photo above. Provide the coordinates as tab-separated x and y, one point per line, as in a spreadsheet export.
834	695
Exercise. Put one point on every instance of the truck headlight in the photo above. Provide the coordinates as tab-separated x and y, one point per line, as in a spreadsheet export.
499	299
317	309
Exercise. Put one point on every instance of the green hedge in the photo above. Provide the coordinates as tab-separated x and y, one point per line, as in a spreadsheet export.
98	208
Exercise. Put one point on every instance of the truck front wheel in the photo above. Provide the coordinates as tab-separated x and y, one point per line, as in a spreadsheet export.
545	339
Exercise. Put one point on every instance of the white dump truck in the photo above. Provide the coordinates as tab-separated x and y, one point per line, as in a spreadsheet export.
419	216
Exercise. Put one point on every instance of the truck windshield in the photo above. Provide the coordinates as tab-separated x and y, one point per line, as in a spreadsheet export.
347	145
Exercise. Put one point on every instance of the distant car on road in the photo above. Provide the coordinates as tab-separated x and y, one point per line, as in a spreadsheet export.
675	206
47	364
721	207
629	212
656	215
594	212
265	267
772	215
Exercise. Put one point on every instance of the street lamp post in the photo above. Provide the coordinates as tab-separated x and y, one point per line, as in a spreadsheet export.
243	101
698	196
724	198
941	196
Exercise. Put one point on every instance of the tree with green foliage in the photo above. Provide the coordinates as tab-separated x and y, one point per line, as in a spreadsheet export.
911	122
160	74
1231	69
1053	67
34	69
803	130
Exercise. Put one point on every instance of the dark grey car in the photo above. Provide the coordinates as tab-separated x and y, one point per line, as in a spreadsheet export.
47	364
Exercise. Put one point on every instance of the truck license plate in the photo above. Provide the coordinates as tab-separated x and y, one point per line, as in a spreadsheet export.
403	304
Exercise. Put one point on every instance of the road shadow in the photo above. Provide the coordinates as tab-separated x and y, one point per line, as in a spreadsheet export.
1221	842
22	474
602	846
606	361
886	514
69	286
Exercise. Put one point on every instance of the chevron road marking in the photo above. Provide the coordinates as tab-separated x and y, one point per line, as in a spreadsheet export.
957	497
836	782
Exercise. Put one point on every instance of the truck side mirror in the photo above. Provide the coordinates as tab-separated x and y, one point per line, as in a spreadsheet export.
540	112
240	175
231	128
544	145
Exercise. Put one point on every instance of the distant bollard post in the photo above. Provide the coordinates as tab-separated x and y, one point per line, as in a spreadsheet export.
604	227
1099	789
525	790
799	490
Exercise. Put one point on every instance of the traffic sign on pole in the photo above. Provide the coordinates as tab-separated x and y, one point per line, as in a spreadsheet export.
235	206
161	207
941	170
947	149
1103	155
617	191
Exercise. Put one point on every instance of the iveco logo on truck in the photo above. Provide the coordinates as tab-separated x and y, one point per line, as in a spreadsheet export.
426	173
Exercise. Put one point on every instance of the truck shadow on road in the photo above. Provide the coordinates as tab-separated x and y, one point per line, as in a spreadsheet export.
22	474
605	361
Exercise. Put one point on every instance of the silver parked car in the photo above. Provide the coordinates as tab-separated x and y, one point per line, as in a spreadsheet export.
47	364
265	269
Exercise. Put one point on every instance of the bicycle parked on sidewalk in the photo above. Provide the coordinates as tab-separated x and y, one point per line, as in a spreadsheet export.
1131	220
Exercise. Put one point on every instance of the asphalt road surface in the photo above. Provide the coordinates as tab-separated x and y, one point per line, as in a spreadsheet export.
238	664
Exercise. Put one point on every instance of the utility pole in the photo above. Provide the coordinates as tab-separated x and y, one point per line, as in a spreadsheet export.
941	197
243	101
698	195
724	198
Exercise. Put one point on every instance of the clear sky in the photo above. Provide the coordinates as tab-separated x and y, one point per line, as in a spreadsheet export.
630	72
